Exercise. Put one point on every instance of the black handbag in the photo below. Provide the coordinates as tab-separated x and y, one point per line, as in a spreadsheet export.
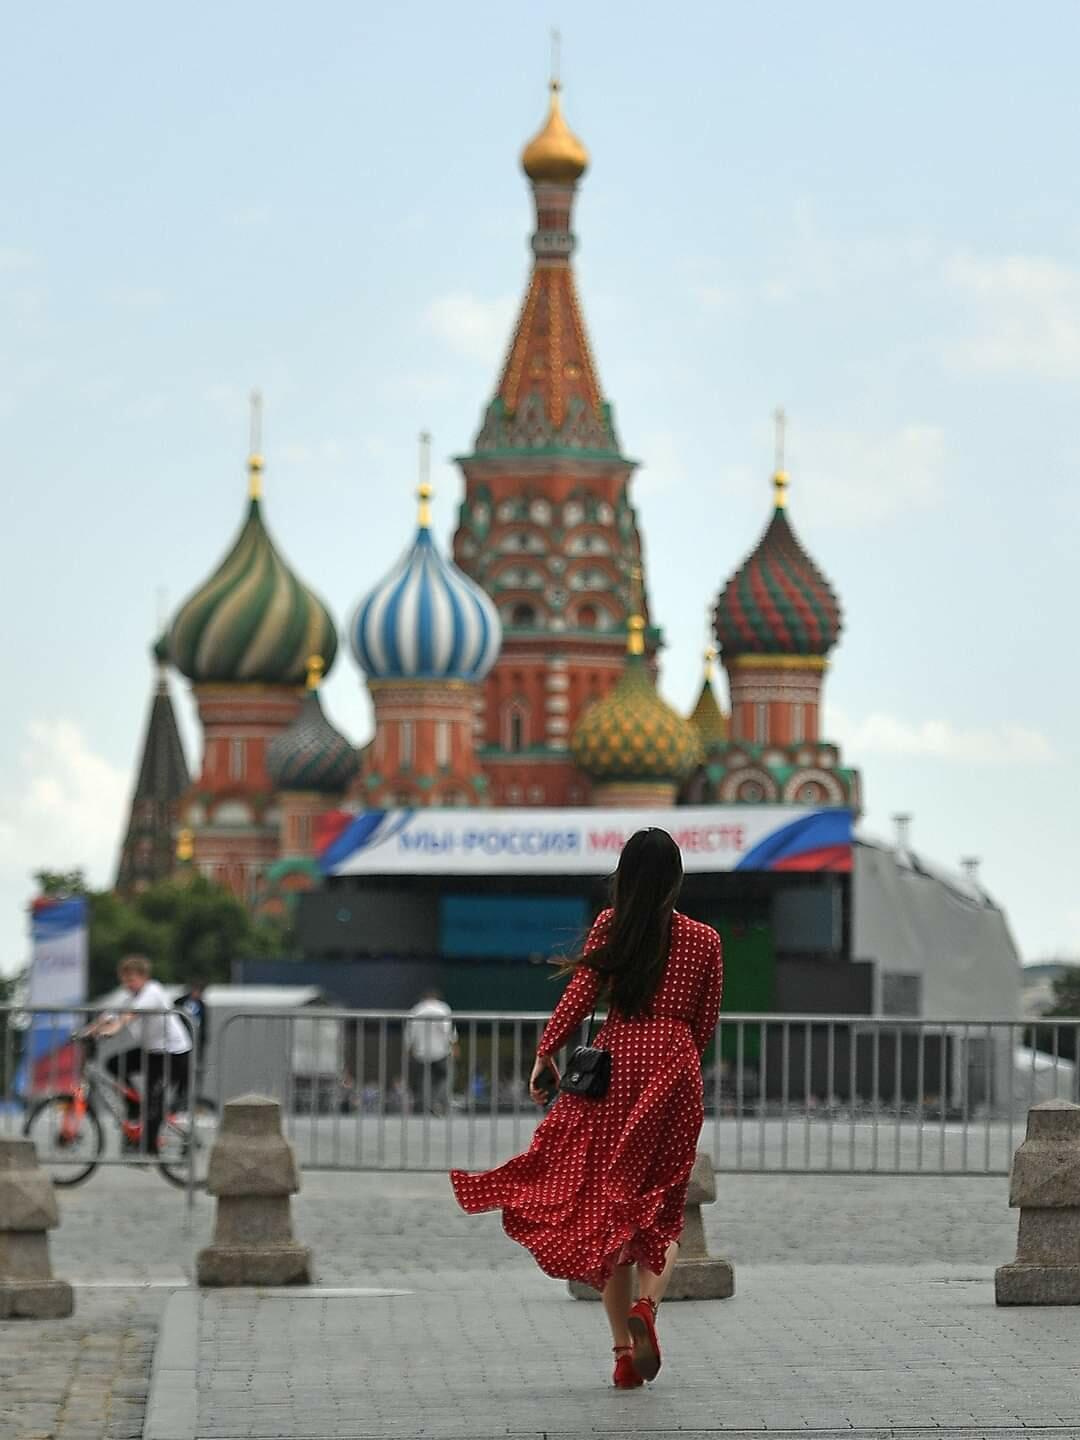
588	1071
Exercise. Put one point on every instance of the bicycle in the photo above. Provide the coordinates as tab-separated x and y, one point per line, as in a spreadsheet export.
61	1122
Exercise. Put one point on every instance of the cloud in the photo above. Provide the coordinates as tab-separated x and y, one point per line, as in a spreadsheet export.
1026	316
715	297
663	469
882	734
249	217
475	328
69	805
321	452
65	809
137	297
862	479
13	259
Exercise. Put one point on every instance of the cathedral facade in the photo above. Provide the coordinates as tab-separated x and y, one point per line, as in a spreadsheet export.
520	669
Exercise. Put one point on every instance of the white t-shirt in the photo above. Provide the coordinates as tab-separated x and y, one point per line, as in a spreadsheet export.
430	1033
158	1032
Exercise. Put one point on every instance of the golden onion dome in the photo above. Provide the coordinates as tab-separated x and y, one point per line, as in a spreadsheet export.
555	154
633	735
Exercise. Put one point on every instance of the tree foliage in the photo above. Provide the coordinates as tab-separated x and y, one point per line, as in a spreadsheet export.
185	927
1067	993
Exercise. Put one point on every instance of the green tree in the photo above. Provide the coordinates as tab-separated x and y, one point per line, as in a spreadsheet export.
184	927
1059	1039
59	884
1067	993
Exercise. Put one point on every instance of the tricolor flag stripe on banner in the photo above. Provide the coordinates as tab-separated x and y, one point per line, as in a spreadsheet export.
580	842
58	965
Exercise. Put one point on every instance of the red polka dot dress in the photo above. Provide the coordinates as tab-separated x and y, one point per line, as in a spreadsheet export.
604	1181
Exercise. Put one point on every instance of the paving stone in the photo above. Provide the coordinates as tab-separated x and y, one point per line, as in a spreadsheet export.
499	1329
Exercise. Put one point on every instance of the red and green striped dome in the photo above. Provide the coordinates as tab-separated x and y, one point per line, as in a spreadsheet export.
778	602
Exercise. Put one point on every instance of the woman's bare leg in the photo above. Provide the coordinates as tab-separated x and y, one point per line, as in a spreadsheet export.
616	1295
653	1287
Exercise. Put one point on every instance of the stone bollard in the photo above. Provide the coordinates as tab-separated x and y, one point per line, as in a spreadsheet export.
1045	1186
253	1173
697	1274
27	1212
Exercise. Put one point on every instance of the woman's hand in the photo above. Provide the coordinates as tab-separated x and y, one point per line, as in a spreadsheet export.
544	1067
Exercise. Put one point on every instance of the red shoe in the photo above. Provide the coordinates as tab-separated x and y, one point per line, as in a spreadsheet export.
626	1376
642	1322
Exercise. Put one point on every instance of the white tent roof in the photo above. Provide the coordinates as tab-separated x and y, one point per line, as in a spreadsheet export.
916	918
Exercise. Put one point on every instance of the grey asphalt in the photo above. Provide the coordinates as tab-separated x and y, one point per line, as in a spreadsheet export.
864	1306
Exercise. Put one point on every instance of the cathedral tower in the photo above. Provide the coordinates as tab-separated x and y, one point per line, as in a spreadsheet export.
633	746
425	637
243	639
149	849
546	525
310	765
776	619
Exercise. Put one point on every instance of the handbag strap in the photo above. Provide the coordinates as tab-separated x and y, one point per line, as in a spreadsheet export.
592	1022
592	1018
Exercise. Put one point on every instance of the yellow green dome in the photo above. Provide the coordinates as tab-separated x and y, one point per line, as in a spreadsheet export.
634	735
707	718
555	154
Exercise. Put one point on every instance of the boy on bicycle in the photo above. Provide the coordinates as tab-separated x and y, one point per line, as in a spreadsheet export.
163	1039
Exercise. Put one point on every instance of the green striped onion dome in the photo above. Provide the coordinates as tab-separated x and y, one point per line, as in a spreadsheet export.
310	754
253	621
631	734
778	602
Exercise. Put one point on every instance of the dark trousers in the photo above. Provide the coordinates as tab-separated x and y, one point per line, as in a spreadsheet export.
427	1079
161	1070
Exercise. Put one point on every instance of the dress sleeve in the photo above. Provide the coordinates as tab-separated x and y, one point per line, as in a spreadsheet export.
709	1004
578	998
577	1001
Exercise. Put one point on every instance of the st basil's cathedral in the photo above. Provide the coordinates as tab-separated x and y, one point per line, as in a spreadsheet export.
520	672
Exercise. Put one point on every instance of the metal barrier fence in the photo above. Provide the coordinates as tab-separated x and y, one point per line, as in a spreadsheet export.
66	1092
813	1094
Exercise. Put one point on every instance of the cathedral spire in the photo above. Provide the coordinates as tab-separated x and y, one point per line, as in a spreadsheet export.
148	852
548	400
255	459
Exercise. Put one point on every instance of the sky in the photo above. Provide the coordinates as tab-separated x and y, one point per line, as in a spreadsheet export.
866	214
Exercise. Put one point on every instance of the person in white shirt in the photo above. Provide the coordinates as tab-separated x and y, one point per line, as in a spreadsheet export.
162	1042
430	1038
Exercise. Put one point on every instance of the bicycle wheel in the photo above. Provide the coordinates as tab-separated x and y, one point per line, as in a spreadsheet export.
68	1158
178	1130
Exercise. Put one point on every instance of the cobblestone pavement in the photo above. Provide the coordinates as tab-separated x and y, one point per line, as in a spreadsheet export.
85	1378
124	1241
916	1349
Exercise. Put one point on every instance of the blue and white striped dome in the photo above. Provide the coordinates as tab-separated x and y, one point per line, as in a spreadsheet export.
426	621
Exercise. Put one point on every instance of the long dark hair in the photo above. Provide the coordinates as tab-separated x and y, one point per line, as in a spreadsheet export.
634	950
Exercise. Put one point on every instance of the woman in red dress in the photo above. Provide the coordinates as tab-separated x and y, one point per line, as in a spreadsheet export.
603	1185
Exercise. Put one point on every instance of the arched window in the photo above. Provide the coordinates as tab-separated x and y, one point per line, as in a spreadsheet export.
523	616
442	743
586	617
515	726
